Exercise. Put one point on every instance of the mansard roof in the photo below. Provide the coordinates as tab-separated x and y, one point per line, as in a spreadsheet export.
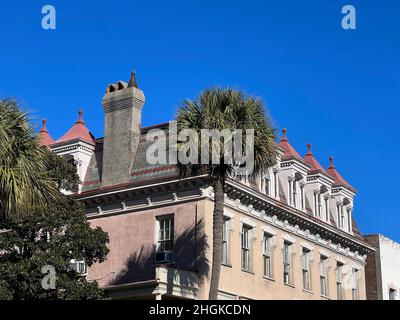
141	171
43	136
78	132
290	152
339	180
310	159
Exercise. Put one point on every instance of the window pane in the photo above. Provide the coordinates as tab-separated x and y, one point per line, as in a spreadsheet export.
267	266
165	235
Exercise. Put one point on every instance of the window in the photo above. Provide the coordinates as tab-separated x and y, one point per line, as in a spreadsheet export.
71	160
79	266
267	255
225	242
267	183
246	248
323	275
338	215
342	221
349	219
305	269
302	196
326	208
287	272
294	193
392	294
276	183
319	204
165	242
354	290
339	287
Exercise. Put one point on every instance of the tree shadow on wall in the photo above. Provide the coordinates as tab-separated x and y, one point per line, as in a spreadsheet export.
189	251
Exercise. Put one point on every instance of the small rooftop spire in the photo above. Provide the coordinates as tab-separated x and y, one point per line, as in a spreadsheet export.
289	150
309	149
80	117
43	129
78	131
132	80
339	180
310	159
284	138
331	166
44	137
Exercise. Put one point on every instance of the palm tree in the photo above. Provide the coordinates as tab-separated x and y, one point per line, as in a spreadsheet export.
226	109
24	183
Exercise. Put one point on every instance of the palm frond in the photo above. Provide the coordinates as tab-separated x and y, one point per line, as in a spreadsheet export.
220	109
24	184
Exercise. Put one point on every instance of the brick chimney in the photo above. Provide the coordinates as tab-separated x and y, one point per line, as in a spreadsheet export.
122	105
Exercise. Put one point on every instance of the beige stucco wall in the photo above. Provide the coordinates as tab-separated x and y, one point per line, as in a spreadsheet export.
132	241
244	285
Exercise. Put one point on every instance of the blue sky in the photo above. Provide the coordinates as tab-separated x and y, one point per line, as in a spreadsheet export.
336	89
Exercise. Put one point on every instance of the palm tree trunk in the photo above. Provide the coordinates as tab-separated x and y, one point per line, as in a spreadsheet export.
218	218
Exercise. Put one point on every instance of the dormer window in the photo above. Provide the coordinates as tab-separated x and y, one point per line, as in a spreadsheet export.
349	219
276	170
70	159
326	198
267	184
339	215
295	182
302	195
342	218
317	203
294	193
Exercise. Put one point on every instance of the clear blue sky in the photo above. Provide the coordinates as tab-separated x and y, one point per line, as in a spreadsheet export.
336	89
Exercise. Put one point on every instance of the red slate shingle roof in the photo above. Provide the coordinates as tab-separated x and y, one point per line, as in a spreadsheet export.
339	180
309	158
289	150
43	136
78	131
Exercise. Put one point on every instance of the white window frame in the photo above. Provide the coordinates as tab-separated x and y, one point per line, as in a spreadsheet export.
287	262
305	268
326	208
267	255
275	184
246	247
294	193
323	276
339	281
165	237
226	241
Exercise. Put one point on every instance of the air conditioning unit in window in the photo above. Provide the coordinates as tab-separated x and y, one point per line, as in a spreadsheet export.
79	266
166	256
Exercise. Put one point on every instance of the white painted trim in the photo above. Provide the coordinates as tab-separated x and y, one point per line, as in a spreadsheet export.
248	221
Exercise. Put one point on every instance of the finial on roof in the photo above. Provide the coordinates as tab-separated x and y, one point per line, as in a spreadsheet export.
331	166
309	148
284	138
80	117
132	80
43	129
